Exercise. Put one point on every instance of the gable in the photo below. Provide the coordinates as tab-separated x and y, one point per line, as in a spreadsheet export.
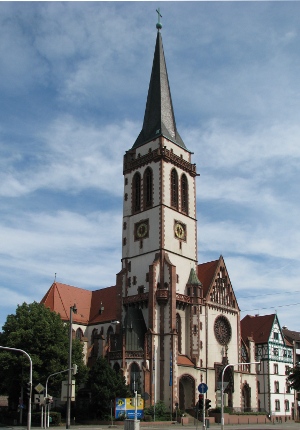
216	283
92	306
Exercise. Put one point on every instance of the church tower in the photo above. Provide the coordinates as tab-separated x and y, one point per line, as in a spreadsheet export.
158	281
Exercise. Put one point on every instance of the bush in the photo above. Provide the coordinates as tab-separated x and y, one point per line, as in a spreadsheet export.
160	411
55	418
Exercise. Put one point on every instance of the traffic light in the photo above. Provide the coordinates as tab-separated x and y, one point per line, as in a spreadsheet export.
132	401
207	404
75	367
200	401
28	389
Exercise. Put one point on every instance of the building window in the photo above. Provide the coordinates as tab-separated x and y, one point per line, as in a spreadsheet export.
287	370
178	329
277	405
129	282
134	280
79	334
258	387
124	226
174	189
147	277
275	351
148	188
286	405
184	194
275	369
124	241
276	335
136	190
276	386
141	289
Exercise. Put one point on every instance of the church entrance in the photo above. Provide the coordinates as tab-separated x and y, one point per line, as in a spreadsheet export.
186	392
246	398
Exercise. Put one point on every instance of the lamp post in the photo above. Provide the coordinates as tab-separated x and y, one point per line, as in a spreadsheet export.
222	388
30	382
73	309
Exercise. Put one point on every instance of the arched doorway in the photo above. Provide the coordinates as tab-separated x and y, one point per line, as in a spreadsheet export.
186	392
246	397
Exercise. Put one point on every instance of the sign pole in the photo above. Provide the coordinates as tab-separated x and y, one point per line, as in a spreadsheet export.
202	388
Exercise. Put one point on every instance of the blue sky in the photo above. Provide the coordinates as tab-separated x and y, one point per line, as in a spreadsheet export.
73	84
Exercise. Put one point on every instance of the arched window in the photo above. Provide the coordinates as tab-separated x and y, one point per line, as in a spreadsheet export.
178	329
136	192
174	189
79	334
184	194
94	334
117	368
135	378
109	332
148	188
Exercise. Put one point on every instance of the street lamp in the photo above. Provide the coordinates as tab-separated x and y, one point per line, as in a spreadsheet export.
30	381
73	309
222	388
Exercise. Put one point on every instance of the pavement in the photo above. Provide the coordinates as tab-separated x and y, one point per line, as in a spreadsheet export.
290	425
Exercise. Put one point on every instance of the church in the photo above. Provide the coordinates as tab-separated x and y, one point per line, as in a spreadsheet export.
169	323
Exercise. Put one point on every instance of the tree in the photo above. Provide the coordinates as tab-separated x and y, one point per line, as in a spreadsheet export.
294	377
105	385
45	337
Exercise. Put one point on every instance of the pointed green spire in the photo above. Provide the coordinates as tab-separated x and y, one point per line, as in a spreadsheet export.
193	278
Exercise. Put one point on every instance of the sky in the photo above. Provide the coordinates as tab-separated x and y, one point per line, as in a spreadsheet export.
74	79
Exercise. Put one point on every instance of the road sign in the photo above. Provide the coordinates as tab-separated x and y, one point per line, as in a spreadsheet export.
39	388
202	388
39	399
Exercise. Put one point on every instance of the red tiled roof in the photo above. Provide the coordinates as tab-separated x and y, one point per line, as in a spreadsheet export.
258	327
60	297
291	335
206	273
183	360
108	297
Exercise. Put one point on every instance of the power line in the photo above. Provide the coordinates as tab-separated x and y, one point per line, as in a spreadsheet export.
268	294
270	307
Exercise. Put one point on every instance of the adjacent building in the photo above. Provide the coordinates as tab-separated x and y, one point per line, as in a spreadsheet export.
276	356
293	337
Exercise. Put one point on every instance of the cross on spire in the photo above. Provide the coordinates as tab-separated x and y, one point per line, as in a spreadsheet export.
158	25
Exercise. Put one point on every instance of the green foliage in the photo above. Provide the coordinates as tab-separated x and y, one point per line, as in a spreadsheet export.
55	418
160	411
294	378
105	385
43	335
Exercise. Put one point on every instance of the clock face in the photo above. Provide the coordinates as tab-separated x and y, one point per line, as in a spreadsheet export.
180	230
222	330
141	230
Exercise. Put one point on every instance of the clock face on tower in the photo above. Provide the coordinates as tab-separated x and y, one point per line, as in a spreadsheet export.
180	230
141	229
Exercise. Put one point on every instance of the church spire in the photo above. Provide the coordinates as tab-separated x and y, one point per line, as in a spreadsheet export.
159	119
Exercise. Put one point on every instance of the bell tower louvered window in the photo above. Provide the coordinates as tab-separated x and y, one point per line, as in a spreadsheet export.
174	189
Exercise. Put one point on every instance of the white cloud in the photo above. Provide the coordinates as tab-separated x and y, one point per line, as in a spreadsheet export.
74	80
